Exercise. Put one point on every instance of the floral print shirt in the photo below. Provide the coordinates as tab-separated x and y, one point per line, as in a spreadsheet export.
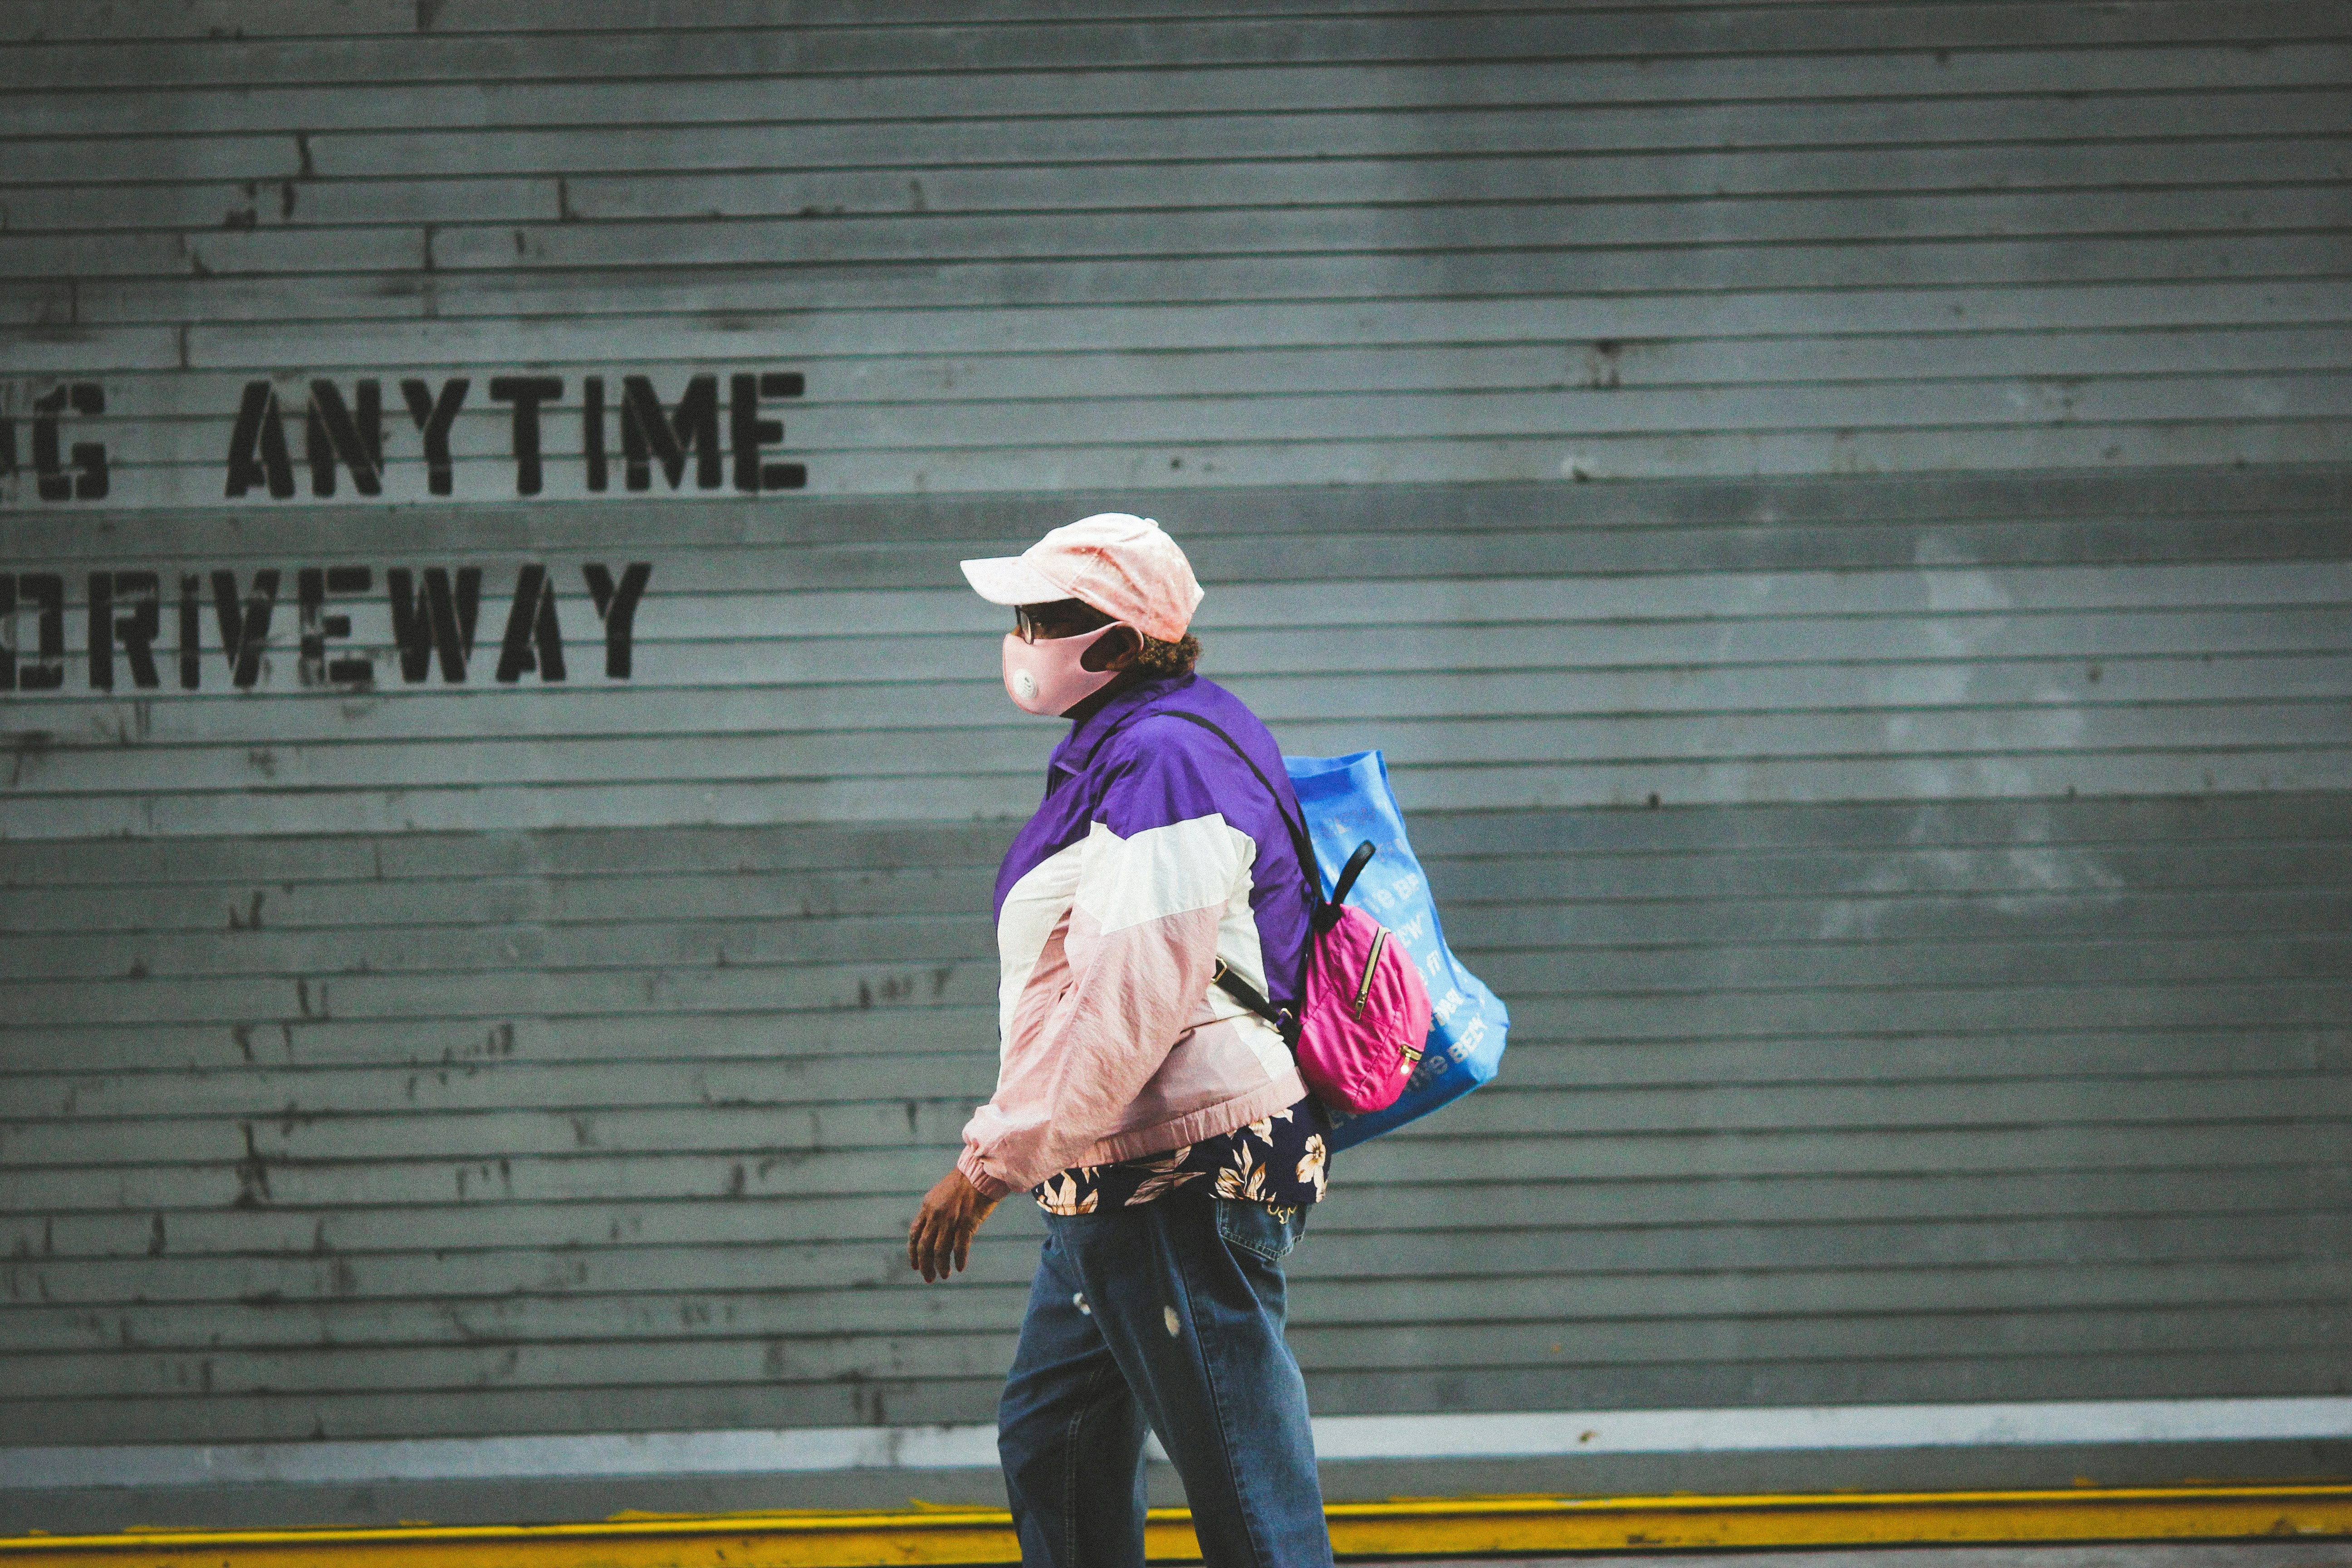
1281	1161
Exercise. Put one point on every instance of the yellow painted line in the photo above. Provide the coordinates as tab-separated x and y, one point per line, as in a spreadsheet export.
1405	1527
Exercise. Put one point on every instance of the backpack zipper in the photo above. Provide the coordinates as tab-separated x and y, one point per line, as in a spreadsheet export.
1364	991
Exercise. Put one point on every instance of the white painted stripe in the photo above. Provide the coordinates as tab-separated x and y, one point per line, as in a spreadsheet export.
1530	1435
481	1458
1540	1434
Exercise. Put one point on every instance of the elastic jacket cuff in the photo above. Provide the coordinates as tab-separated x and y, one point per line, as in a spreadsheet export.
988	1186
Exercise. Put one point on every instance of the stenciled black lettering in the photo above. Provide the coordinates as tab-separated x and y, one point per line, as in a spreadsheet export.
434	620
591	430
244	629
55	481
101	630
257	448
747	431
648	432
192	625
49	463
332	433
617	608
45	669
534	640
312	586
89	457
434	416
86	479
136	631
527	392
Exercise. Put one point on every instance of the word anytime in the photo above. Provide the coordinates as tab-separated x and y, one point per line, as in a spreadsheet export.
345	436
435	612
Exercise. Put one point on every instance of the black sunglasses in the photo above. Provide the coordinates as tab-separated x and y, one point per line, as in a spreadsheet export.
1054	622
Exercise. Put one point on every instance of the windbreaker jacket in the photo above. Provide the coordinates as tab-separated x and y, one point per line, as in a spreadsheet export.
1156	853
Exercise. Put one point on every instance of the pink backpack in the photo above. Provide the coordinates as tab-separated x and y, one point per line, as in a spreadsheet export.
1364	1013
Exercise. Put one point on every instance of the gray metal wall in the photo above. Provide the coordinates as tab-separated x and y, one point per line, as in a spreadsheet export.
1903	798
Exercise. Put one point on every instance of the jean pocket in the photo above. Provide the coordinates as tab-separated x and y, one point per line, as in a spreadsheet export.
1269	1232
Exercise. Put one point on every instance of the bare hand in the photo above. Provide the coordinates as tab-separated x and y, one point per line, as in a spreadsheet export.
942	1232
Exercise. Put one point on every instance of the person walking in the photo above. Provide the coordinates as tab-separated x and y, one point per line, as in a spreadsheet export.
1161	1124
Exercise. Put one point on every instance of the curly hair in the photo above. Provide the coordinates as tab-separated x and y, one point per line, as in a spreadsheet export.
1159	659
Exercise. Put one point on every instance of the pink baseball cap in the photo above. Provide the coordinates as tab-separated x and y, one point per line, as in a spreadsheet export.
1122	565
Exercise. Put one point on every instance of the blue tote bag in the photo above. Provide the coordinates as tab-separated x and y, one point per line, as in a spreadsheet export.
1347	800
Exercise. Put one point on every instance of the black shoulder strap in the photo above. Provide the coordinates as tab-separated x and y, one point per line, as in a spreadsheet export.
1298	838
1304	846
1325	911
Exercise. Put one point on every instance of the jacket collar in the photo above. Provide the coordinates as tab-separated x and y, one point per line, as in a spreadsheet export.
1089	733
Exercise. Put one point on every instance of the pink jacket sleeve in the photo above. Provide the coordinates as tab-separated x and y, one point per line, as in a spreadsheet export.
1115	987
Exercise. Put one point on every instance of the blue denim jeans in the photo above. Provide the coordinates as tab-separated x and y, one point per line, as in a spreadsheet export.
1163	1318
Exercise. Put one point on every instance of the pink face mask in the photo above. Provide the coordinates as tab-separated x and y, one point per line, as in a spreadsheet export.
1046	677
